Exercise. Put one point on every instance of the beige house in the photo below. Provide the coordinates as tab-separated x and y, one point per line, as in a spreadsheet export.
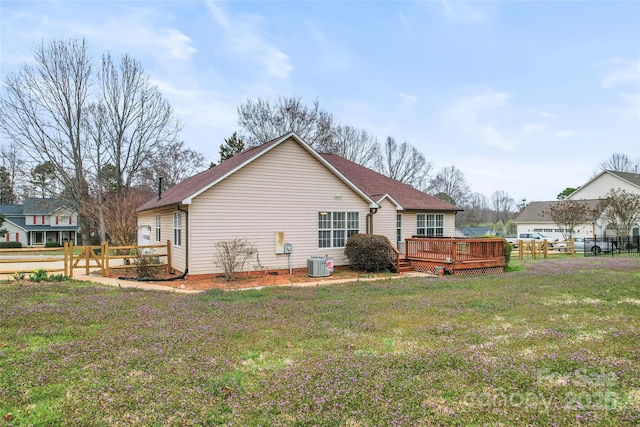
533	219
285	192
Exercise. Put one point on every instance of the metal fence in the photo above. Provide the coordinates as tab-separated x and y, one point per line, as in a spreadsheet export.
610	246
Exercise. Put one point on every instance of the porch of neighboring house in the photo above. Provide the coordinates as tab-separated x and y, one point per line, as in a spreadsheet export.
460	256
40	238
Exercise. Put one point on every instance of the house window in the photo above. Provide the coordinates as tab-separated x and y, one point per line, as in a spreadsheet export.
158	222
430	225
334	228
177	228
398	228
63	219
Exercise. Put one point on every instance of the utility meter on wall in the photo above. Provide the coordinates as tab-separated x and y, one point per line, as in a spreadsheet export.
288	248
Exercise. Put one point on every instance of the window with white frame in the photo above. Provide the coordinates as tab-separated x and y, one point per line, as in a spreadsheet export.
177	228
334	228
430	225
158	223
398	228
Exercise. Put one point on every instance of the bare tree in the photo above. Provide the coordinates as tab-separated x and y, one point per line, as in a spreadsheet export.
620	162
620	211
567	214
43	109
451	181
139	120
356	145
476	211
404	163
116	210
262	121
11	158
502	204
176	164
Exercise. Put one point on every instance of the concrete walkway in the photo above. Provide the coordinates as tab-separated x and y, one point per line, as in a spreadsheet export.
149	286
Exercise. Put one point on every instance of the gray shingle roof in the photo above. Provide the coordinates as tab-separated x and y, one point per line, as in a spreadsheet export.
534	211
633	178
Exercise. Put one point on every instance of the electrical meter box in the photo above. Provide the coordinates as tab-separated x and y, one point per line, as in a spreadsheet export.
288	248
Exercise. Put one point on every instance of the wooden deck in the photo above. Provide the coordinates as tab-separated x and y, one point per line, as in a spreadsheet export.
437	255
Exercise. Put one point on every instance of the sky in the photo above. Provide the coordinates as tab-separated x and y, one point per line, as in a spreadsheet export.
522	97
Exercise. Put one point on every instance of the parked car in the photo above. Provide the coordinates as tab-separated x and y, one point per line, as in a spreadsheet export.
582	244
526	237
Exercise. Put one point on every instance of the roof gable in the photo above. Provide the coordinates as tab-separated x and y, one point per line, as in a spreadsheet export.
377	185
535	211
628	177
187	190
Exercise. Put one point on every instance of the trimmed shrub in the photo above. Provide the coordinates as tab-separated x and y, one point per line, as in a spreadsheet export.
52	245
10	245
369	253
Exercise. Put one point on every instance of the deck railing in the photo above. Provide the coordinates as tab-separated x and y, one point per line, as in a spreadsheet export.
453	250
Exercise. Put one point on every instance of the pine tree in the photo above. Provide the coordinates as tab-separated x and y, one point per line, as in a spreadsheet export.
232	146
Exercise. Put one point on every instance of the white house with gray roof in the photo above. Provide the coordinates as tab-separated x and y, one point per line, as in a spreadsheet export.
533	219
39	221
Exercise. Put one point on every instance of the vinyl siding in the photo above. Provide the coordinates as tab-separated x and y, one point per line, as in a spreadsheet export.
148	219
598	188
281	191
384	221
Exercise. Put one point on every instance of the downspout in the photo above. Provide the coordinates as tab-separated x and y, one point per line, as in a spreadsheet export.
372	212
186	240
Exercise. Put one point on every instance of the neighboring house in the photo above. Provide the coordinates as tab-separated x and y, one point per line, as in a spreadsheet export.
598	186
284	191
39	221
531	218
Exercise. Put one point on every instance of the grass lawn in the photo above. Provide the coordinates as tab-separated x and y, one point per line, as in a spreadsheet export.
555	343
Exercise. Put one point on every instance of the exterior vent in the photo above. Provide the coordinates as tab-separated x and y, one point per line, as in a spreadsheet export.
317	267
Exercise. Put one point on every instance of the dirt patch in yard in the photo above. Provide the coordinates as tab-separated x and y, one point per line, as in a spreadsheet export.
258	279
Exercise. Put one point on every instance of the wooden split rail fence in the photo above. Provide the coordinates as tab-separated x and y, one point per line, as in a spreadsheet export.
65	260
542	250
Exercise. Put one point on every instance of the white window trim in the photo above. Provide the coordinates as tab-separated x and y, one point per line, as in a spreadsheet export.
348	232
426	226
158	232
177	230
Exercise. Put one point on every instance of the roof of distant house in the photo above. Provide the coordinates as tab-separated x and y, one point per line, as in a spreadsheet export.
535	211
44	206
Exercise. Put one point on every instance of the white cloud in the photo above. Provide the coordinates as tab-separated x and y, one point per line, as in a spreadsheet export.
624	72
462	11
531	128
328	52
242	37
475	115
563	133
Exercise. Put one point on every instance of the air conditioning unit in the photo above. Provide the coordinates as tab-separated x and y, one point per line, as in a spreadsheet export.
317	267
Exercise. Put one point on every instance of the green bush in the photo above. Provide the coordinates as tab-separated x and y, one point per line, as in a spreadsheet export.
52	245
369	253
10	245
39	275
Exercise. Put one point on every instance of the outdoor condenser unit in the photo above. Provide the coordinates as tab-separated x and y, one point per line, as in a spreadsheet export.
317	267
